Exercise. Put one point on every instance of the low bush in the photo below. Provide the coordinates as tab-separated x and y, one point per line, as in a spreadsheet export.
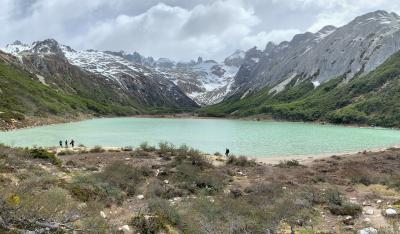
44	154
165	147
147	225
165	211
241	161
345	209
162	190
146	147
97	149
288	163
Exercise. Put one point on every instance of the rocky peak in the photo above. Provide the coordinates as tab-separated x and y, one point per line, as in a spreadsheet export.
48	46
236	59
376	16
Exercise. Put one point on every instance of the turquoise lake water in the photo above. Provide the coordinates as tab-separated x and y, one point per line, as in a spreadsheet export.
250	138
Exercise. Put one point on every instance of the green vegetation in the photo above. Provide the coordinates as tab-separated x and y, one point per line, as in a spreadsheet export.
21	94
373	99
45	154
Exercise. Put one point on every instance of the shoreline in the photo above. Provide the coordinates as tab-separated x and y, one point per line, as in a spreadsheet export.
271	160
32	122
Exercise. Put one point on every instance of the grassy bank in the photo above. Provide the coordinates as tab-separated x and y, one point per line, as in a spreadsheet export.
169	189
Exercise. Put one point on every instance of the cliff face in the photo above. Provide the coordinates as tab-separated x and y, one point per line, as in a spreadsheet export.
356	48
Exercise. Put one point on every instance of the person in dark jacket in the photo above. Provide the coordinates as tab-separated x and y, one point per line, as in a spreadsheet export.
72	143
227	152
66	143
61	145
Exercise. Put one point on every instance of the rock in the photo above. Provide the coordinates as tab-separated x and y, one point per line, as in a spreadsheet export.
368	230
103	214
369	211
367	220
125	229
236	193
166	182
140	197
390	212
378	201
349	220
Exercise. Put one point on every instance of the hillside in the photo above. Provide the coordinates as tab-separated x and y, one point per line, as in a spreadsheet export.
24	94
358	47
372	99
65	66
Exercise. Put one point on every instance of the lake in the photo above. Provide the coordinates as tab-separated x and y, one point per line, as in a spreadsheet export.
242	137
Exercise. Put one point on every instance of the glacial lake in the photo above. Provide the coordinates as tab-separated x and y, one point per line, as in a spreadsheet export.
242	137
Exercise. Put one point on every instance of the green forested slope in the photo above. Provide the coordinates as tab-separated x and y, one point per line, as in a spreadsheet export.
372	99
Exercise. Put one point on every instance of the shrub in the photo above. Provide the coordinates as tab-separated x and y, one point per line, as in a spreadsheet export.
162	209
147	225
127	148
345	209
288	163
165	147
97	149
166	191
123	176
241	161
146	147
44	154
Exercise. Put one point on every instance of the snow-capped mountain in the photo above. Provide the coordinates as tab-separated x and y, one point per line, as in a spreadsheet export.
354	49
148	86
205	81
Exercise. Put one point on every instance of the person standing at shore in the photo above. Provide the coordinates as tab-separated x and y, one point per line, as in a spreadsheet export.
72	143
66	143
227	152
61	145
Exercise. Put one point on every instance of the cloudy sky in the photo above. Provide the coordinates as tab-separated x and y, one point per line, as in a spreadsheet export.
178	29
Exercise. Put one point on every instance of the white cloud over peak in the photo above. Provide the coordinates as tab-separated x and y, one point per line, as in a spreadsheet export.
178	29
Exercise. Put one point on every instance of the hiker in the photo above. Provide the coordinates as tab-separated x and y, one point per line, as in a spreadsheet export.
60	143
72	143
66	143
227	152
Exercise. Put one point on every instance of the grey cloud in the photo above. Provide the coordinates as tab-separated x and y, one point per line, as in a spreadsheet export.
179	29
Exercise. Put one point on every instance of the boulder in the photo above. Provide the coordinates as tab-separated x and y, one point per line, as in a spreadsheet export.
140	197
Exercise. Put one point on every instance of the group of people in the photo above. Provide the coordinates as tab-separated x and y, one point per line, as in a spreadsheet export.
72	143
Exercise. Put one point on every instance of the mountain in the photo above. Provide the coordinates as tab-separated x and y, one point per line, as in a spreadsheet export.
340	75
144	85
207	82
28	96
356	48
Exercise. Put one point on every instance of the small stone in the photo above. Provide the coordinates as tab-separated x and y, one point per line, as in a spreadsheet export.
103	214
369	211
367	220
368	230
140	197
390	212
125	229
166	181
378	201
